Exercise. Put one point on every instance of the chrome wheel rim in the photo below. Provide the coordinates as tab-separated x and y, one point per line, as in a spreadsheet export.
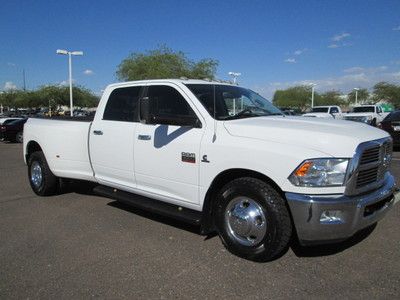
36	174
246	221
20	137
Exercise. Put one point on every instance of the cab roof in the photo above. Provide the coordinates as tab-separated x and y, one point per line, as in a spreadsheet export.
179	81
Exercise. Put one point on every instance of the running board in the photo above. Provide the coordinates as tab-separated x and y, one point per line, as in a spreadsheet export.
177	212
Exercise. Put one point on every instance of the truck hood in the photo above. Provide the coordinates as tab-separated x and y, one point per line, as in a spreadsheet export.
329	136
318	115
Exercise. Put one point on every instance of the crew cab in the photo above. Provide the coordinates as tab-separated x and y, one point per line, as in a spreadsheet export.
368	114
333	111
254	176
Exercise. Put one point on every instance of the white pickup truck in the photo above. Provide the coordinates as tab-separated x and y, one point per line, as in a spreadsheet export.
368	114
331	112
257	178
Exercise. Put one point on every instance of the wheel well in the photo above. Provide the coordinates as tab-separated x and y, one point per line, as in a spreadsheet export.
31	148
207	224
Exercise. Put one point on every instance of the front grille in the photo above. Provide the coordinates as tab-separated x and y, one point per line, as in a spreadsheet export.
356	119
373	164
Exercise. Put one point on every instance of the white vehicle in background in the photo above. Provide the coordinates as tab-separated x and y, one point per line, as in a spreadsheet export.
332	112
368	114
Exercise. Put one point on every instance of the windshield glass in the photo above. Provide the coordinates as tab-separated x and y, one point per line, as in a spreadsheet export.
363	109
232	102
320	109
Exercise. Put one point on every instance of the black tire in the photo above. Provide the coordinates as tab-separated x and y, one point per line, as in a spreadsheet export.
373	122
278	226
19	137
48	184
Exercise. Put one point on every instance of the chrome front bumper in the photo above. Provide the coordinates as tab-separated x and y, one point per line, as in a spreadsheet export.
328	218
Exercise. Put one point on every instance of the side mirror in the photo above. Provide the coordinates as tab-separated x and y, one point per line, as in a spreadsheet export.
148	116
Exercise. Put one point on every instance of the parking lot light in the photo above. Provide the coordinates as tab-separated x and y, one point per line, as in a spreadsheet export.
235	75
70	53
312	94
356	89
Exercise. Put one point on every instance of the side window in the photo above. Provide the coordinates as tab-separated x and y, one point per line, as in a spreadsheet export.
379	109
167	101
334	110
122	105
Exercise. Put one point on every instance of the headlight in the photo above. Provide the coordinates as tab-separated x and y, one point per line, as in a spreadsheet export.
320	172
366	119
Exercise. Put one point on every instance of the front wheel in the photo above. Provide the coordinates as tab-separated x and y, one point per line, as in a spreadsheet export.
41	179
252	219
19	137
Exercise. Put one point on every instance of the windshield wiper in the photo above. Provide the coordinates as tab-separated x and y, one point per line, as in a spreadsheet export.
249	112
246	112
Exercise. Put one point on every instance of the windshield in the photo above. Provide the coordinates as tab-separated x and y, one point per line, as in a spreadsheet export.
232	102
363	109
320	110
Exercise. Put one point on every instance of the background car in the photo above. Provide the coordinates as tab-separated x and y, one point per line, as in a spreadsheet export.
391	124
13	131
7	120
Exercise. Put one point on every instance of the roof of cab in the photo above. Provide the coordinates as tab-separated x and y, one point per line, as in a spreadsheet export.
181	80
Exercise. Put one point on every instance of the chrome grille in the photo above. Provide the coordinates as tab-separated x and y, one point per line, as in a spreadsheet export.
369	166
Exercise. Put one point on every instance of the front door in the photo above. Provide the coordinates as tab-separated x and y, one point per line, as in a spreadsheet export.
167	156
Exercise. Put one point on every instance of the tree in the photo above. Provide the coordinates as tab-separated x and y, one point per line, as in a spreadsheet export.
295	97
330	98
387	91
164	63
362	96
56	95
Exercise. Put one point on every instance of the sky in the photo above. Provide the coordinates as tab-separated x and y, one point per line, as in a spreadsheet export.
339	45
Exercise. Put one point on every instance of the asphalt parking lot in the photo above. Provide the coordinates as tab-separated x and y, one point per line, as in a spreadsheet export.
77	245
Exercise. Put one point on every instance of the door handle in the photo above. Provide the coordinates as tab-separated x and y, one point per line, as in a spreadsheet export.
144	137
97	132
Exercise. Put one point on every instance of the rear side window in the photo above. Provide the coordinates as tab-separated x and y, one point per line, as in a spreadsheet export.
123	105
167	101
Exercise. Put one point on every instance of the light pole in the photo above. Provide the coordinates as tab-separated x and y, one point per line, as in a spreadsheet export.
235	75
70	53
312	94
356	89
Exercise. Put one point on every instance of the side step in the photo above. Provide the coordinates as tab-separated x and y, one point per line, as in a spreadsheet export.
177	212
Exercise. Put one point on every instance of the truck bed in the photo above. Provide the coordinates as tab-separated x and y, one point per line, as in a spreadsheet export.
64	141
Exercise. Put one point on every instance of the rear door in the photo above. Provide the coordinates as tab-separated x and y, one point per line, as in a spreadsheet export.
111	138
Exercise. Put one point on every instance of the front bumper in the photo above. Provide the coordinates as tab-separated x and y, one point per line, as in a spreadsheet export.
350	213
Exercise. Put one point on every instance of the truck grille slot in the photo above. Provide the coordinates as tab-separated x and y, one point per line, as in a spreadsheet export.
370	155
367	176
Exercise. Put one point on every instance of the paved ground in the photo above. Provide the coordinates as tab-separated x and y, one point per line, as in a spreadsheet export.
77	245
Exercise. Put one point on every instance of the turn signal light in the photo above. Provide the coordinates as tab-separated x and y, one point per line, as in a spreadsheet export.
303	169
